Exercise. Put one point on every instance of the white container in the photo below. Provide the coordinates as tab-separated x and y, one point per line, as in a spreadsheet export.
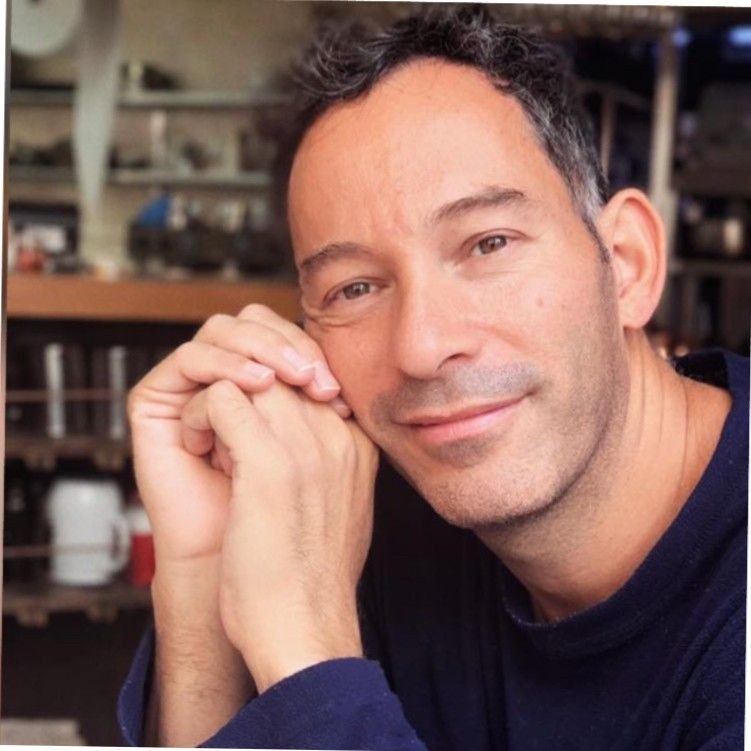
90	535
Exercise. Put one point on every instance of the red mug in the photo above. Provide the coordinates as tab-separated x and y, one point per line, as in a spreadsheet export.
141	566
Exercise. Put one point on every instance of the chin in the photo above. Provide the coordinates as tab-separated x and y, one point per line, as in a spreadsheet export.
482	497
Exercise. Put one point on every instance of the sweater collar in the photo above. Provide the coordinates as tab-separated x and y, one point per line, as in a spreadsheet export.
711	514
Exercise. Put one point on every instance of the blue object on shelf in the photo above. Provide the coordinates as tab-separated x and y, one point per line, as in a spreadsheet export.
154	214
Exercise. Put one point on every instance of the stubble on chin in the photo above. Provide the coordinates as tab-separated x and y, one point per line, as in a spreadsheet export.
464	453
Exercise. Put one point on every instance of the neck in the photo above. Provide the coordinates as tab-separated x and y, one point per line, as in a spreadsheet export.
591	541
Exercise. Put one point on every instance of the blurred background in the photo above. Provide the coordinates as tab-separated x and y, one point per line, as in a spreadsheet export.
142	139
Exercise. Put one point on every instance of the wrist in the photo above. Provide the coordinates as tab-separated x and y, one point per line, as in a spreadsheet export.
191	642
270	661
186	605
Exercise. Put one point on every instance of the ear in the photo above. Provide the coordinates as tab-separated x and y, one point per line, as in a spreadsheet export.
634	234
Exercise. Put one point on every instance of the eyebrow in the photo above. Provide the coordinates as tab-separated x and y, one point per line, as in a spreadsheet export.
330	253
490	197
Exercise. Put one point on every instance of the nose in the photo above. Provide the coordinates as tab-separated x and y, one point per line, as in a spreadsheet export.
433	326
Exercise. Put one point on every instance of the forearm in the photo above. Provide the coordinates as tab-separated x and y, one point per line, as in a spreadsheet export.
200	680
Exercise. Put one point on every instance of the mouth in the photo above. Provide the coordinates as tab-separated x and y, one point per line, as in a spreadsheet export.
465	423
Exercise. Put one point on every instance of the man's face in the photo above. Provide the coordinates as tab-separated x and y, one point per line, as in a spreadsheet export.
456	292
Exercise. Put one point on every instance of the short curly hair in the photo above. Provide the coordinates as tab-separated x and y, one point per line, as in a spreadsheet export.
346	61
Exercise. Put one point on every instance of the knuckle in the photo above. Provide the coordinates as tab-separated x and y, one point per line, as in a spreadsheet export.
224	394
255	310
309	346
214	323
267	339
276	340
183	352
219	390
310	462
340	445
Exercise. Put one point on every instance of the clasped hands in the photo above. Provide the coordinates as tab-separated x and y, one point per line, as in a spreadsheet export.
245	456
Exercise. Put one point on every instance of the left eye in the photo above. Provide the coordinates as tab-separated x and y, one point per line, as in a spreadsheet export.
356	289
489	245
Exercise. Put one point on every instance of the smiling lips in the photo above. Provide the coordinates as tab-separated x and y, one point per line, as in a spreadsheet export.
463	423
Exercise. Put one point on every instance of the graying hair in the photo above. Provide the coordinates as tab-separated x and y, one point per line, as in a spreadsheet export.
345	62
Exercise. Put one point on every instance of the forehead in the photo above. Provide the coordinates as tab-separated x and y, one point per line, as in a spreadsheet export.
427	134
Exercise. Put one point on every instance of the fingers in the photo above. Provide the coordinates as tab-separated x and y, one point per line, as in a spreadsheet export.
235	420
196	432
303	342
250	353
223	456
194	364
199	436
341	407
301	425
261	335
219	458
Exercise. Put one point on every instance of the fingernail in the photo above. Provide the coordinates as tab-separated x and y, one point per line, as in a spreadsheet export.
323	378
256	370
341	406
296	360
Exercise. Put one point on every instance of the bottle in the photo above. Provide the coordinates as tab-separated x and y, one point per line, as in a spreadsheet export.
18	529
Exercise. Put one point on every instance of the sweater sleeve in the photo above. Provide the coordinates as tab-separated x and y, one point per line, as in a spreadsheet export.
337	704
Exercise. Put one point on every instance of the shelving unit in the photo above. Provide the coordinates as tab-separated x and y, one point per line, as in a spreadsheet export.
139	299
147	177
166	99
32	604
719	269
611	98
42	453
733	274
154	101
47	298
130	300
715	183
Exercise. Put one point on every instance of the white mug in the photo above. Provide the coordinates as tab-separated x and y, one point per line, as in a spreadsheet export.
90	535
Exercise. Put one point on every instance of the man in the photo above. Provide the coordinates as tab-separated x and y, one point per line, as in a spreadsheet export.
558	543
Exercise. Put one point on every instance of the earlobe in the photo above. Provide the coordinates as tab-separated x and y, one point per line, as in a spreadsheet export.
633	231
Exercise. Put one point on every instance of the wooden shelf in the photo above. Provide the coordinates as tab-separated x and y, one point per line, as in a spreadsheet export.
208	179
32	604
42	453
714	182
41	97
730	268
39	174
139	178
84	296
35	396
178	99
618	94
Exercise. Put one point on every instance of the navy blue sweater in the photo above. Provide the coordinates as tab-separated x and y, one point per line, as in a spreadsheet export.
457	661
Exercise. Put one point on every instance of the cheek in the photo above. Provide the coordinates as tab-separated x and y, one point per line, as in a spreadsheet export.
358	363
530	311
560	301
